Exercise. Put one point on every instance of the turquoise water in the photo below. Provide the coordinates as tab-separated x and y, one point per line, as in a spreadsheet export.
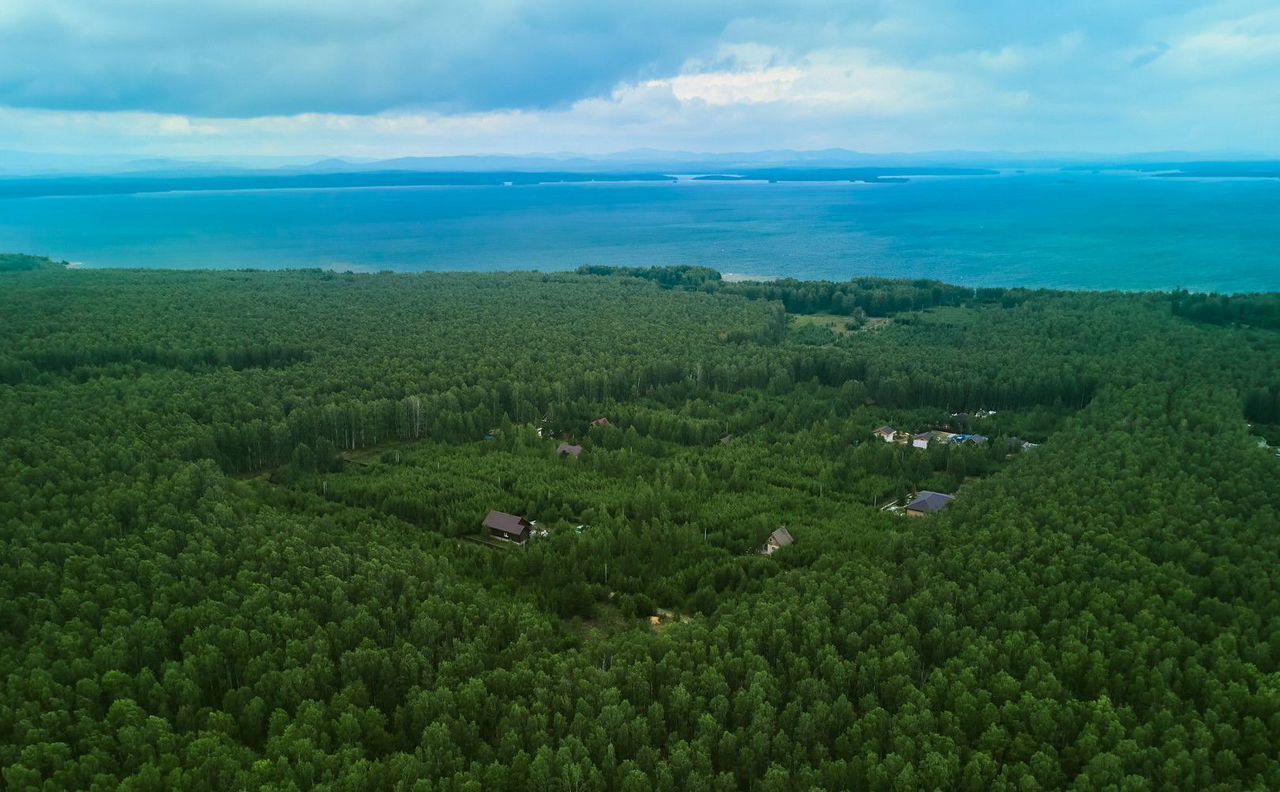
1053	230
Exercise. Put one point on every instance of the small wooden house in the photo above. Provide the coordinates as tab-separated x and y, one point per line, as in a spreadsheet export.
600	422
565	449
922	440
508	526
777	540
886	433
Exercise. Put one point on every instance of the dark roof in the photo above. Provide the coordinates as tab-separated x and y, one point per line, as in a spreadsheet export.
927	501
506	523
977	439
565	448
885	430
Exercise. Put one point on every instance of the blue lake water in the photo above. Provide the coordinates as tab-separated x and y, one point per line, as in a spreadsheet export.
1050	229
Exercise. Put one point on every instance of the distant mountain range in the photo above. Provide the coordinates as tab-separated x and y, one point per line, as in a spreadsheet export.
24	175
151	182
26	164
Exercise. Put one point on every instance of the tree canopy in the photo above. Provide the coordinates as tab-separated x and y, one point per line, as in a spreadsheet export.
240	515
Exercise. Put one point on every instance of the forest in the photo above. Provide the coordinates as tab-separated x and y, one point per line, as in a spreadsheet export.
241	515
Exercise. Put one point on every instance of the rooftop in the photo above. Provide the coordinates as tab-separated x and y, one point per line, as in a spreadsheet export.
506	523
928	502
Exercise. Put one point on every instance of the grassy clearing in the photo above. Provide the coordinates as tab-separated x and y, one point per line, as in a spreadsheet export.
840	325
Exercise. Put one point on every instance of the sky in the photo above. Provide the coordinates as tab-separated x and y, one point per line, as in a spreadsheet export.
386	78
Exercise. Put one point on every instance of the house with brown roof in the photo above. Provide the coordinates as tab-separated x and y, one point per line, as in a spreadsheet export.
508	526
600	422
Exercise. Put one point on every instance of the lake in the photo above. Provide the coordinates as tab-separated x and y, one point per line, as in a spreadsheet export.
1050	229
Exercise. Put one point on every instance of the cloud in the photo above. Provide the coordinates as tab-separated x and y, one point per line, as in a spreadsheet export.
259	57
823	82
391	77
1150	54
1250	43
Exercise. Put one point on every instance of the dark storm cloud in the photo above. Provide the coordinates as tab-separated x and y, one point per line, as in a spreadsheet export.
245	58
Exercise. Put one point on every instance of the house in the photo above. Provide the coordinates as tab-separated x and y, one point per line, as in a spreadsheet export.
726	440
922	440
927	502
508	526
565	449
777	540
600	422
886	433
975	439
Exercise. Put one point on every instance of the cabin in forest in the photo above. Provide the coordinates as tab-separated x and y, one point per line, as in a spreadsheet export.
600	422
886	433
925	439
565	449
976	439
726	440
777	540
508	526
927	502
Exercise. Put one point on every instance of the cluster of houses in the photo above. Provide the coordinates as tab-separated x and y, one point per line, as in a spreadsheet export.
517	529
933	437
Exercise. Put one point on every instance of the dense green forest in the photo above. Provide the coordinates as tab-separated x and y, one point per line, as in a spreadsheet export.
241	512
1247	309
